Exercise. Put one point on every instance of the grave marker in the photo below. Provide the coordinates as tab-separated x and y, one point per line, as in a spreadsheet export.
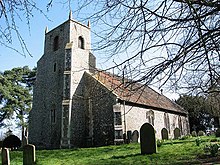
5	156
135	136
164	134
29	155
148	140
129	136
177	133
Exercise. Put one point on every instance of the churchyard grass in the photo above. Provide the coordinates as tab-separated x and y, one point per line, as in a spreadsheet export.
172	152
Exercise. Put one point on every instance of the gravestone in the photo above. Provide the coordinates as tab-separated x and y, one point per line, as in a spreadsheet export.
135	136
125	138
5	156
29	155
148	140
177	133
129	136
164	134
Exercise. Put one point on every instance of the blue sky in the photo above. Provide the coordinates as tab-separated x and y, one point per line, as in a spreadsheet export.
34	38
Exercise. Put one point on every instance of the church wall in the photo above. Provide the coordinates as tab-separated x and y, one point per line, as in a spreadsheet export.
35	117
77	123
77	29
80	56
174	123
100	121
137	116
48	92
38	125
78	117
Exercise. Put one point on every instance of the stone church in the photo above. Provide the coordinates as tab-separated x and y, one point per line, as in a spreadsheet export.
77	105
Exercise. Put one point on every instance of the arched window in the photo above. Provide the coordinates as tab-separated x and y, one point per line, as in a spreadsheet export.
150	117
81	43
56	43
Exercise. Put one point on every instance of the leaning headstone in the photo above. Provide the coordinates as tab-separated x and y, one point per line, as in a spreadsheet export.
5	156
164	134
177	133
148	140
29	155
135	136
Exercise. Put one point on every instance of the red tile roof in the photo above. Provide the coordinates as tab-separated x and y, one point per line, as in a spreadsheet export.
137	93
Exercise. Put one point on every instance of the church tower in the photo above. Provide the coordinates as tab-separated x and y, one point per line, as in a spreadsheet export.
58	90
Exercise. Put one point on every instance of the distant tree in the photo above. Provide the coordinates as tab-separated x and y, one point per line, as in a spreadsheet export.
16	94
203	112
175	42
213	100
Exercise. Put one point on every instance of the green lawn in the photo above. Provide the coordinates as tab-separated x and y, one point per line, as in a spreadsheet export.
174	152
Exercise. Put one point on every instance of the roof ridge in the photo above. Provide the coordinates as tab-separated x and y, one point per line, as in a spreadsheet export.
136	92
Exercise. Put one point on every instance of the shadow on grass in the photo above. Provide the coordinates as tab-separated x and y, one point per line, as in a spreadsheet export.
125	156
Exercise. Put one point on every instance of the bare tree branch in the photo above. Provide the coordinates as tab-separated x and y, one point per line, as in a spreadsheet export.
11	13
174	42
